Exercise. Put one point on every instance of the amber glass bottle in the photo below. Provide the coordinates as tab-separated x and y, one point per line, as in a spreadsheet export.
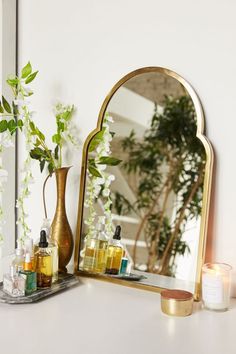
114	253
43	263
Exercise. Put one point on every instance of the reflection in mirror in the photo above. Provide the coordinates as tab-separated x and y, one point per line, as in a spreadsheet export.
145	172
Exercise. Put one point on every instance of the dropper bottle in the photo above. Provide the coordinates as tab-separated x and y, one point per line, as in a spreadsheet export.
43	263
114	253
53	248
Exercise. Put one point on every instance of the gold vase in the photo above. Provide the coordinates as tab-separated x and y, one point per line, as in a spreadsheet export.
61	231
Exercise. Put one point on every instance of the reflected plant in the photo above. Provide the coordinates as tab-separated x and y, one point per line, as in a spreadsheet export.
169	166
99	181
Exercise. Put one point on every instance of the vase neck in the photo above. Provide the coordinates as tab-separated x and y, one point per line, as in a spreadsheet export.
61	177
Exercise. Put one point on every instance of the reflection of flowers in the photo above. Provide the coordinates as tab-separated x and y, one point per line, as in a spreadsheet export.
100	184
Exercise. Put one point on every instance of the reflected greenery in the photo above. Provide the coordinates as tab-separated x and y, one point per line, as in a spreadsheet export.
168	167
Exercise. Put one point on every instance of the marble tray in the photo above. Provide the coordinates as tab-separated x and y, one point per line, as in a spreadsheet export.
64	282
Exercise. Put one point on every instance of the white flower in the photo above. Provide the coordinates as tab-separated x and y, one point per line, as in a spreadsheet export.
109	119
111	178
99	181
19	102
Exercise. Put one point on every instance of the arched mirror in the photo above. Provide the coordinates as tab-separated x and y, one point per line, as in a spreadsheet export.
147	168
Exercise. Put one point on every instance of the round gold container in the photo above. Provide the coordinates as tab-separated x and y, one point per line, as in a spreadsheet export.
177	302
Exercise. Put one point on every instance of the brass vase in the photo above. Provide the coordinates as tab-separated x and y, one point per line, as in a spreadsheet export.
61	231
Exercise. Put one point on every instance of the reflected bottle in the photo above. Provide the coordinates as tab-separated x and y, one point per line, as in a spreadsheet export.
90	254
102	247
43	263
114	253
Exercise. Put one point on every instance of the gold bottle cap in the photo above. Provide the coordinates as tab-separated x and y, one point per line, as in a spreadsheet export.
177	302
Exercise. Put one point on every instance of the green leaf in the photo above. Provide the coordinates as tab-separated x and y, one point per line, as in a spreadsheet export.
37	143
42	164
94	172
20	124
66	115
37	153
1	108
27	69
32	126
96	140
61	126
12	82
12	125
31	77
40	134
15	109
50	168
6	105
56	152
56	138
109	160
3	126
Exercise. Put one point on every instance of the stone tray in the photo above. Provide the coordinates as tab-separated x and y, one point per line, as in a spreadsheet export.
64	282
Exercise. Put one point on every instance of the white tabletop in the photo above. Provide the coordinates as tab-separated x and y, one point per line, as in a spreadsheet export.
98	317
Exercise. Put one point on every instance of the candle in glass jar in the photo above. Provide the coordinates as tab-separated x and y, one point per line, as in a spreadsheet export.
216	283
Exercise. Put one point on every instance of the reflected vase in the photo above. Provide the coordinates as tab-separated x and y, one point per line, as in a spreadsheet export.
61	232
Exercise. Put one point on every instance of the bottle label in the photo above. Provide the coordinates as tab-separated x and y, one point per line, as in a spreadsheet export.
89	263
212	289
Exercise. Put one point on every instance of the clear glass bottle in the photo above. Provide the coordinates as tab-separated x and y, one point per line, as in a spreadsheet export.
14	283
101	254
90	254
43	263
114	253
31	276
18	261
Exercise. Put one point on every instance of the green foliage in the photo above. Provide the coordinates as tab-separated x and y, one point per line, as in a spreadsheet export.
26	71
168	161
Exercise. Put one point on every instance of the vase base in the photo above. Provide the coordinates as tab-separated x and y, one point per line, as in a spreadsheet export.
63	270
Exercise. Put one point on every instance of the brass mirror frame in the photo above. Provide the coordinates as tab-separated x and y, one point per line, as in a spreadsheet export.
207	179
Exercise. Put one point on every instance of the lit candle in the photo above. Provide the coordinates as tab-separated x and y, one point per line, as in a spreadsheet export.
216	282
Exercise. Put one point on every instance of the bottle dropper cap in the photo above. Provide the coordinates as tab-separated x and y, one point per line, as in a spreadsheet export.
19	250
28	263
27	258
117	233
43	243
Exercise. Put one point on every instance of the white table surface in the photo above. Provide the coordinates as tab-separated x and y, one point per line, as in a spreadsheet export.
98	317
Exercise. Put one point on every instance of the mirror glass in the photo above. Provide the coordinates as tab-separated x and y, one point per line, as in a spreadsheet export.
145	172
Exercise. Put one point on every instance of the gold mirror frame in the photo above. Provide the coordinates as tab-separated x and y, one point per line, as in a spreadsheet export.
207	179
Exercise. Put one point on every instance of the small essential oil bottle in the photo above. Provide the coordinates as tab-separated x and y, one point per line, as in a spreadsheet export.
31	276
43	263
14	283
101	254
18	261
124	265
53	248
114	253
29	248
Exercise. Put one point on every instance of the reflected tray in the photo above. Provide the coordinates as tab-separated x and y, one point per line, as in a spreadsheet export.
65	281
130	276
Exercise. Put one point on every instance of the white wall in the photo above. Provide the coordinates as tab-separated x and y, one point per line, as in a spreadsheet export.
7	66
83	47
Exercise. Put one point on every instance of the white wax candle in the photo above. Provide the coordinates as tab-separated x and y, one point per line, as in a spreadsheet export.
216	286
